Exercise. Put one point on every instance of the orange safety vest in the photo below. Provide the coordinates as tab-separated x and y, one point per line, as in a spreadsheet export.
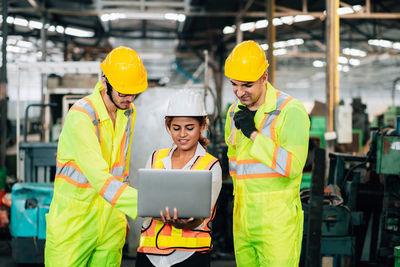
163	239
70	172
252	168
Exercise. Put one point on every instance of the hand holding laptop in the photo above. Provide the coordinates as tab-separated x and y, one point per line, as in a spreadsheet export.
179	223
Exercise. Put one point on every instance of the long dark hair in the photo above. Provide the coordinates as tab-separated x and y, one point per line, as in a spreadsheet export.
202	121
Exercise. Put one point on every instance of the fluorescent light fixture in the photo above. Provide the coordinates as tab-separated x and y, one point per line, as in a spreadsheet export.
297	41
287	20
143	16
35	24
396	46
175	16
280	44
264	46
15	49
261	24
354	52
345	10
290	42
318	63
354	61
20	22
301	18
11	41
78	32
52	28
277	21
228	29
247	26
112	16
339	67
345	68
283	44
10	20
24	44
60	29
348	10
380	42
279	52
357	8
343	60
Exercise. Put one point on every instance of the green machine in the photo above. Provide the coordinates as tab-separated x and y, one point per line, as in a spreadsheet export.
388	155
318	129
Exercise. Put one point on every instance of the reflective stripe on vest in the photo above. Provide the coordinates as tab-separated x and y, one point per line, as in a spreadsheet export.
118	169
86	106
160	238
113	187
282	159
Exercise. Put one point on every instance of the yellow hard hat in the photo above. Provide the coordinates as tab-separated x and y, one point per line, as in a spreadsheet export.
124	70
247	62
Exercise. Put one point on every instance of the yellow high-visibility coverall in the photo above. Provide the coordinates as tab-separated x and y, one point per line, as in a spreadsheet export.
267	217
86	224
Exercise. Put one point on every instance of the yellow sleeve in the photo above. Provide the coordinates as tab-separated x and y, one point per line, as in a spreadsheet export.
83	143
231	148
292	130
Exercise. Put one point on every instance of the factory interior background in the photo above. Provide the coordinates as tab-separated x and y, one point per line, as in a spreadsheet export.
341	59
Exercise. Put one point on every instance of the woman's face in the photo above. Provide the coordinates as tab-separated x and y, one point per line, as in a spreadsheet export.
185	132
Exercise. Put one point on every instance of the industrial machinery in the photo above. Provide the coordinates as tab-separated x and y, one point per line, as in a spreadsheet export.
31	197
362	226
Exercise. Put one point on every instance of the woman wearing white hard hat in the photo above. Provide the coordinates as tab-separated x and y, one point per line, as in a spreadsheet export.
171	241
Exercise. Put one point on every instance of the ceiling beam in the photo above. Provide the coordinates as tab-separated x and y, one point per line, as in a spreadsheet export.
253	14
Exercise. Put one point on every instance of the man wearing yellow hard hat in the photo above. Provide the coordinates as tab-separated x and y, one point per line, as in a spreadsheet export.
267	135
86	224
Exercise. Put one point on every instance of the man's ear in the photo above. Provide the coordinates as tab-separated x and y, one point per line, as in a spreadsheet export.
264	77
103	82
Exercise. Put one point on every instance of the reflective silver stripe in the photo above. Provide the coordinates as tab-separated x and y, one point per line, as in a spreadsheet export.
281	98
266	130
128	131
112	189
72	173
118	171
232	166
84	104
254	168
281	160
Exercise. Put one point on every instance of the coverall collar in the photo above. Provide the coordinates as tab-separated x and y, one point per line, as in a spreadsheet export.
100	106
200	152
270	100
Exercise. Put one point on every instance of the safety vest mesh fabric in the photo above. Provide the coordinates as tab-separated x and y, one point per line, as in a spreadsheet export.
252	168
163	239
113	186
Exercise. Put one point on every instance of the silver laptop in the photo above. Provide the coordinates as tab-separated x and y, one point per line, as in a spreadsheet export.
187	190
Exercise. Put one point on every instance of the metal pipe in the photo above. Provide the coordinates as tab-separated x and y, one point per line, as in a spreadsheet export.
332	53
206	77
271	41
305	8
3	88
18	120
239	33
395	82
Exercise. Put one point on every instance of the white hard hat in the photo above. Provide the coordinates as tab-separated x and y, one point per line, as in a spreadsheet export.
186	103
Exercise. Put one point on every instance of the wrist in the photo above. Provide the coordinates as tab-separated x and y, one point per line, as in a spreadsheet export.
253	135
